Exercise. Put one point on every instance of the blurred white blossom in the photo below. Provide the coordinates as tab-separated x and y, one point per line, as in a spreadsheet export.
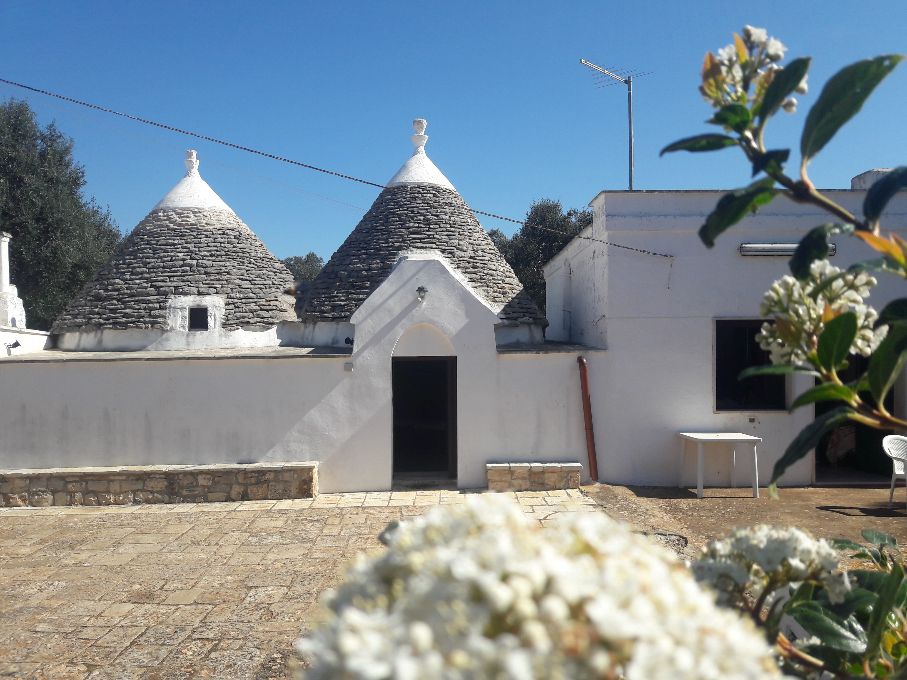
753	559
476	591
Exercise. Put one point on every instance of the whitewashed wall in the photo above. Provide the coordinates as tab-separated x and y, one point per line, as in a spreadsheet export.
69	412
656	318
29	340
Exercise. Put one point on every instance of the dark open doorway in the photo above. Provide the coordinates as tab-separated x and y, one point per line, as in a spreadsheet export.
425	416
851	454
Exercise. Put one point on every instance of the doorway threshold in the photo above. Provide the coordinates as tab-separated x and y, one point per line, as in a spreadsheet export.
422	481
844	477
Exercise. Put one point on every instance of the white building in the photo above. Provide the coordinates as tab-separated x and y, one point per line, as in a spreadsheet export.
677	320
415	351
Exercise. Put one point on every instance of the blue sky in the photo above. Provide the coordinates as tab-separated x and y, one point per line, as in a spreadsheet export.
513	116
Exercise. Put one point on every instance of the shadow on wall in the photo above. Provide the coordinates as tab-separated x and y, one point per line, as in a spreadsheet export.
171	412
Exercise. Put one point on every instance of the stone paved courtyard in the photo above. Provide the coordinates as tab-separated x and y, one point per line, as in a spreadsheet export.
215	590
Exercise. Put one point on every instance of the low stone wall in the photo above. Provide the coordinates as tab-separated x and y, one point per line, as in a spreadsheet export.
157	484
533	476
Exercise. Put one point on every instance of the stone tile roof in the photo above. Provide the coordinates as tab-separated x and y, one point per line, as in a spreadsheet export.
406	217
184	251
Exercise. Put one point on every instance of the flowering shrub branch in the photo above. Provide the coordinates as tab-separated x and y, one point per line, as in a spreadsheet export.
822	620
819	316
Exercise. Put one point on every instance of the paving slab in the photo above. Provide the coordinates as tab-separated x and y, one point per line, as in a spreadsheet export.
210	590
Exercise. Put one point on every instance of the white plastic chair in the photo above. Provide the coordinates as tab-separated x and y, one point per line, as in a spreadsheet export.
896	448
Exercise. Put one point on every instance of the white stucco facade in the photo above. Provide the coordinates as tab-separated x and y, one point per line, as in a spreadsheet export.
656	318
72	409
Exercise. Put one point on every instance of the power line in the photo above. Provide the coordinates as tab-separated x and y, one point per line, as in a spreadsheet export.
189	133
290	161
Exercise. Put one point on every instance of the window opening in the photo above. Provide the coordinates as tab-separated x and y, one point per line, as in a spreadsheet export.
198	318
736	349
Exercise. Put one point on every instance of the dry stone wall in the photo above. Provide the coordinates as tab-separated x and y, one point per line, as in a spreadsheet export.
184	252
533	476
409	217
157	484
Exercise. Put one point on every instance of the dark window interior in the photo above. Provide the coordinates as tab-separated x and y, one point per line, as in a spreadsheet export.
424	406
736	349
198	318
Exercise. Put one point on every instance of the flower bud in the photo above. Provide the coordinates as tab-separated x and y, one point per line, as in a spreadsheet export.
775	49
755	36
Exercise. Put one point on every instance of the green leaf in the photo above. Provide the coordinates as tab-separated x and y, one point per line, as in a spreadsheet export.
804	593
895	312
870	579
808	438
782	86
831	630
879	617
857	601
733	207
814	246
709	142
886	362
770	161
881	192
845	544
784	369
735	117
841	99
824	392
878	537
836	339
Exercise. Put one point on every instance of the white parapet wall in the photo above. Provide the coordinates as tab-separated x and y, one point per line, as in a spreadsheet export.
65	409
18	341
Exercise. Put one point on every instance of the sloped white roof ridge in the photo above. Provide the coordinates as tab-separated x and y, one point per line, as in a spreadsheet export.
192	191
419	169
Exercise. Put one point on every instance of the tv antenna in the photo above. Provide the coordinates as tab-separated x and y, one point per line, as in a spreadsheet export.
626	79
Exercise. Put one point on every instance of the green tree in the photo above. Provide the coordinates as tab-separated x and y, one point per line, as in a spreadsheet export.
304	269
60	238
545	232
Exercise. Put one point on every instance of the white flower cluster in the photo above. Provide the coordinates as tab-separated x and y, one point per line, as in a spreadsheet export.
797	312
753	64
475	591
753	559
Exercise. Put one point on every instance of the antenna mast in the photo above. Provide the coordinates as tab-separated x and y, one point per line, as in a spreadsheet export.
628	81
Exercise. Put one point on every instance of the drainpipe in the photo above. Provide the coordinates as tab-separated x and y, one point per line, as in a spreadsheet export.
587	416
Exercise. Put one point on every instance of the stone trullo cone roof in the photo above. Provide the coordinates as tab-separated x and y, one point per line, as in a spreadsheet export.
418	210
191	243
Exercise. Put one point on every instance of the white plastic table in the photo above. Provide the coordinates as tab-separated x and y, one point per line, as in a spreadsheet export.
719	438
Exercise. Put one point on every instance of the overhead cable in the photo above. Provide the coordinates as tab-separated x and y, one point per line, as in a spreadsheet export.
290	161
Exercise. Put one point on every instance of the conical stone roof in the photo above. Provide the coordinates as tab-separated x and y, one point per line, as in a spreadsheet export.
418	210
191	243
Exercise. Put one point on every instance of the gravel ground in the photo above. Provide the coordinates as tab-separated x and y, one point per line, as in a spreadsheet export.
825	512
